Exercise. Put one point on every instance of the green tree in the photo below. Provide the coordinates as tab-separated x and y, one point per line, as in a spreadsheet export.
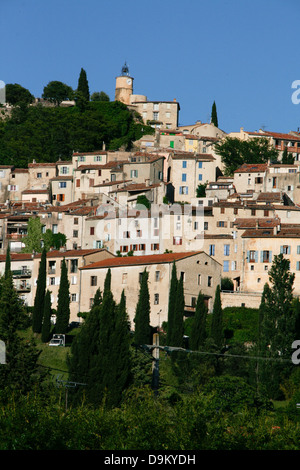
142	313
63	303
99	96
171	304
83	85
235	152
176	337
7	262
287	157
15	94
214	115
33	239
46	328
57	91
38	308
278	324
198	331
216	332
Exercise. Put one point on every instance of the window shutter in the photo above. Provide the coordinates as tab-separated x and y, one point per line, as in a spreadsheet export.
256	257
248	256
270	256
281	249
261	256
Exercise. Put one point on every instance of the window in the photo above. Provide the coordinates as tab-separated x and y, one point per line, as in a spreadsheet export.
52	281
183	190
124	278
177	241
98	158
225	266
73	280
199	279
157	276
133	173
73	297
184	164
199	177
93	280
183	177
285	249
76	221
64	170
92	230
205	225
81	159
74	265
54	228
209	281
75	233
39	175
252	256
212	250
266	256
155	116
182	276
226	250
233	265
156	299
221	223
199	164
62	184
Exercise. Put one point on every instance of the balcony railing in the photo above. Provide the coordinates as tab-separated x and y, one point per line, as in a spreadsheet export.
17	273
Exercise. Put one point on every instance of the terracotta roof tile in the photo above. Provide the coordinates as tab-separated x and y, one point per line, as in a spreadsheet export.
141	260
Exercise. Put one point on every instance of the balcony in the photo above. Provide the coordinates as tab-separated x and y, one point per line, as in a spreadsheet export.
21	273
23	287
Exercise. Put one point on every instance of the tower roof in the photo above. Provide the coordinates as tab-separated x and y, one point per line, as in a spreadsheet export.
125	69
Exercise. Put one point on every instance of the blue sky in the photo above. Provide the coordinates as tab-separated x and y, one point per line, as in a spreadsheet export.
241	54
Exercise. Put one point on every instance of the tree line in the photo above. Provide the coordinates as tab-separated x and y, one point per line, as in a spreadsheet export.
48	134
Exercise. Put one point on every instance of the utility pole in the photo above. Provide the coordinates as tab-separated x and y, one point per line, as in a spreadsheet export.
67	385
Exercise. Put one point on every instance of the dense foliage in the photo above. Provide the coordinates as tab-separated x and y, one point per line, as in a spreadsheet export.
48	134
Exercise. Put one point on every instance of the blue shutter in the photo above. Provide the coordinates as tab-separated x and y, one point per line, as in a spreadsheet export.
256	257
281	249
261	256
289	250
270	256
248	256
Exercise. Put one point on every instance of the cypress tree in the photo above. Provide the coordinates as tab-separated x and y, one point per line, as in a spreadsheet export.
63	304
198	332
85	345
7	262
121	356
217	320
214	116
176	338
172	303
38	308
83	86
46	328
142	314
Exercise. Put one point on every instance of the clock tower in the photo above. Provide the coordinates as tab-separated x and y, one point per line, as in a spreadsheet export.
124	86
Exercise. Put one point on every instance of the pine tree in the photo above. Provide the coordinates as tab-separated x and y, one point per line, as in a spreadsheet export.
198	332
142	314
176	336
172	303
63	304
46	328
38	308
83	86
214	116
217	320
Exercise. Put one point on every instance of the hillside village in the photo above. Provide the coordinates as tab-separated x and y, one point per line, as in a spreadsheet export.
232	231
